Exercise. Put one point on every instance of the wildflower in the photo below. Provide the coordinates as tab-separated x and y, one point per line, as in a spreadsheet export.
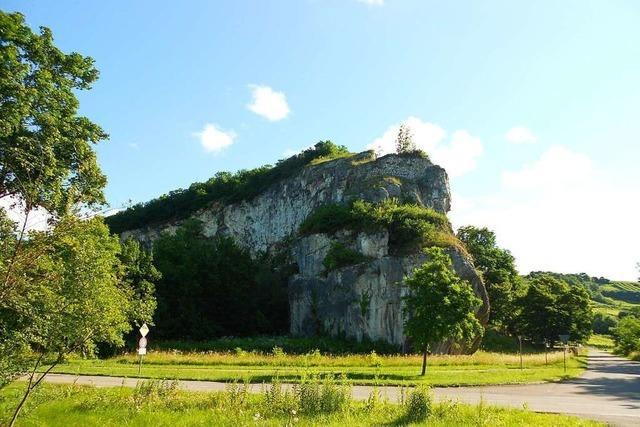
293	412
256	417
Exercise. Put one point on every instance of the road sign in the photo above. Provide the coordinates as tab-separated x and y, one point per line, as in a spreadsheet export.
142	343
144	330
142	351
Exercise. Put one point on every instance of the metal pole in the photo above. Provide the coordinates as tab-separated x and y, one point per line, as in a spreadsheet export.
520	354
546	351
565	358
140	365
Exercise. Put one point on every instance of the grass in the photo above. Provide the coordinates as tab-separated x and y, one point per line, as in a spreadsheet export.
603	342
161	404
481	368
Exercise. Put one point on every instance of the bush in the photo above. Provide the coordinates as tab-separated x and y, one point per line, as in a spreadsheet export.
418	405
224	187
341	256
410	226
603	323
627	335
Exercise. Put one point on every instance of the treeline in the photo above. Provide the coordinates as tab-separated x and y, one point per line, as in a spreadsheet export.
538	307
224	187
213	288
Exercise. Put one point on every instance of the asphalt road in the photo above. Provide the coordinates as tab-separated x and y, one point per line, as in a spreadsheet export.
608	391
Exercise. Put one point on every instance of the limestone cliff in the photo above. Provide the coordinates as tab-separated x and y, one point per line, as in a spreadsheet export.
357	301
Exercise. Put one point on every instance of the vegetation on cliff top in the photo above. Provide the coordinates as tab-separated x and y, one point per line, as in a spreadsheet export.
410	226
225	187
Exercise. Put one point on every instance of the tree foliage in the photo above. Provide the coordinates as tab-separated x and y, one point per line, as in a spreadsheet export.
404	140
627	335
213	288
46	158
224	187
65	294
410	226
439	305
498	270
551	307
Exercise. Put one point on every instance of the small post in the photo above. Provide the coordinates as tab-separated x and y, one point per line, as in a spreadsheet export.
546	351
565	340
142	345
520	341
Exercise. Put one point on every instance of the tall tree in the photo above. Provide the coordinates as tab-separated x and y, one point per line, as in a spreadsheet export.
46	158
140	275
70	297
551	307
404	140
498	270
439	305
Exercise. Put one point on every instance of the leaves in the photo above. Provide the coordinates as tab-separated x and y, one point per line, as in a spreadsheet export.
46	157
551	307
440	305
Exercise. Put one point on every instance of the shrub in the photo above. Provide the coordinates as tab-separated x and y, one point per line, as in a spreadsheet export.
410	226
418	405
627	335
340	256
603	323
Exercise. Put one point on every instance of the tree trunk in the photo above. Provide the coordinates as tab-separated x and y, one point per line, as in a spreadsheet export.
31	385
424	361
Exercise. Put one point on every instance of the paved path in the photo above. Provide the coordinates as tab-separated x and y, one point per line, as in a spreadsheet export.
608	391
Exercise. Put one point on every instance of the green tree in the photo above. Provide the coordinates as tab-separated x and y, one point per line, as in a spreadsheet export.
551	307
498	270
604	323
627	335
71	297
439	305
213	287
140	275
404	140
46	158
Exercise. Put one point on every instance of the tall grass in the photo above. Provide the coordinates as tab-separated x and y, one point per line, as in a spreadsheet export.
279	358
319	401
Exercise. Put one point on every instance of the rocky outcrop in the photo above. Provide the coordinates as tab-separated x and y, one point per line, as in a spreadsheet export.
275	215
362	301
358	301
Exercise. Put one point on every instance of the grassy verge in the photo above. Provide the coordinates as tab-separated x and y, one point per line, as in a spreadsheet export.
481	368
161	404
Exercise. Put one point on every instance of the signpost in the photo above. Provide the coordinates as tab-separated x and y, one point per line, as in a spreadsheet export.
142	345
546	351
565	340
520	341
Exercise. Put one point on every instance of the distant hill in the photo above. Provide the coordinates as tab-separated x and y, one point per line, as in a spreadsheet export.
610	296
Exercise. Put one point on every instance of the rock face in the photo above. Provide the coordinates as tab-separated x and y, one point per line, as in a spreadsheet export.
359	301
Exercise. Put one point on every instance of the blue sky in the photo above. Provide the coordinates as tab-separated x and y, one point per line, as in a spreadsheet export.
532	106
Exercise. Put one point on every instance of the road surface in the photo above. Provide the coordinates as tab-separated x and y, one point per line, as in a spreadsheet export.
608	391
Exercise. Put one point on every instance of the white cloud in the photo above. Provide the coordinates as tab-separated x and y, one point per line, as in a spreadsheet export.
557	168
372	2
268	103
520	135
560	213
37	219
214	139
457	154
